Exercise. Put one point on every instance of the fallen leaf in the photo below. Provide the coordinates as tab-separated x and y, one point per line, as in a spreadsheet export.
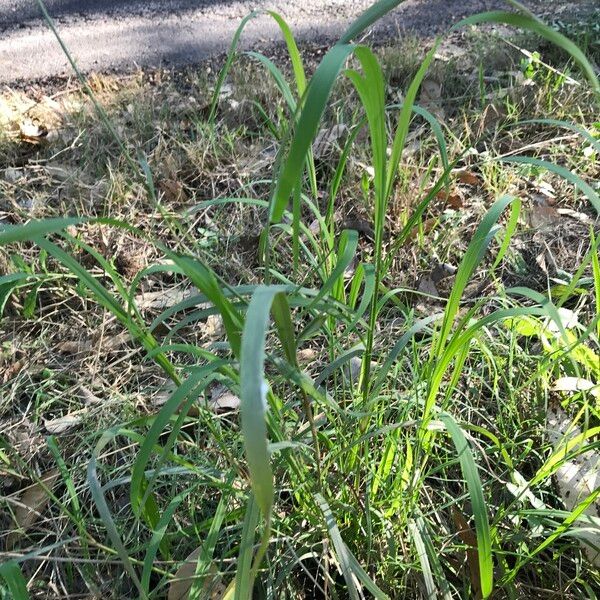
32	131
212	588
467	177
306	355
576	384
214	327
31	505
327	140
223	399
63	424
162	299
573	214
88	396
468	537
577	477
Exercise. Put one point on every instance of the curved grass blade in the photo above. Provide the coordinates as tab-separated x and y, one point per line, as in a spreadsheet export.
157	538
585	188
35	229
348	564
533	24
480	514
253	395
104	510
415	533
564	125
367	18
17	586
187	392
243	575
278	77
205	280
292	51
473	256
347	249
317	94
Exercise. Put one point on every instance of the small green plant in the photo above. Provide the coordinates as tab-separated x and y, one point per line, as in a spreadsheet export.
330	467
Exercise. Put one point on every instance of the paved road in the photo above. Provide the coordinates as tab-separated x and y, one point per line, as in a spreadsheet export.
123	34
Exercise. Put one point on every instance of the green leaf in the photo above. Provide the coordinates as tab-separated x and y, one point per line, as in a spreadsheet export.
253	395
533	24
243	574
480	514
317	94
17	586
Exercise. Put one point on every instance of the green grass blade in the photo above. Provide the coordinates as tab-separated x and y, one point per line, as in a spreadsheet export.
208	548
157	538
205	280
415	533
511	227
243	574
104	510
405	116
278	77
35	229
293	53
575	180
536	26
17	586
340	548
254	396
596	272
475	252
367	18
285	326
348	245
480	513
563	125
317	94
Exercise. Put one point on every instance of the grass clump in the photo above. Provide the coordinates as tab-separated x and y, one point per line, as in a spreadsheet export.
314	373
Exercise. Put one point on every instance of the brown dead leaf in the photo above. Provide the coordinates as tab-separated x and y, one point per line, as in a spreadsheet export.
173	191
467	177
212	588
73	346
222	399
31	505
576	384
13	370
306	355
64	423
577	477
328	140
468	537
430	96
